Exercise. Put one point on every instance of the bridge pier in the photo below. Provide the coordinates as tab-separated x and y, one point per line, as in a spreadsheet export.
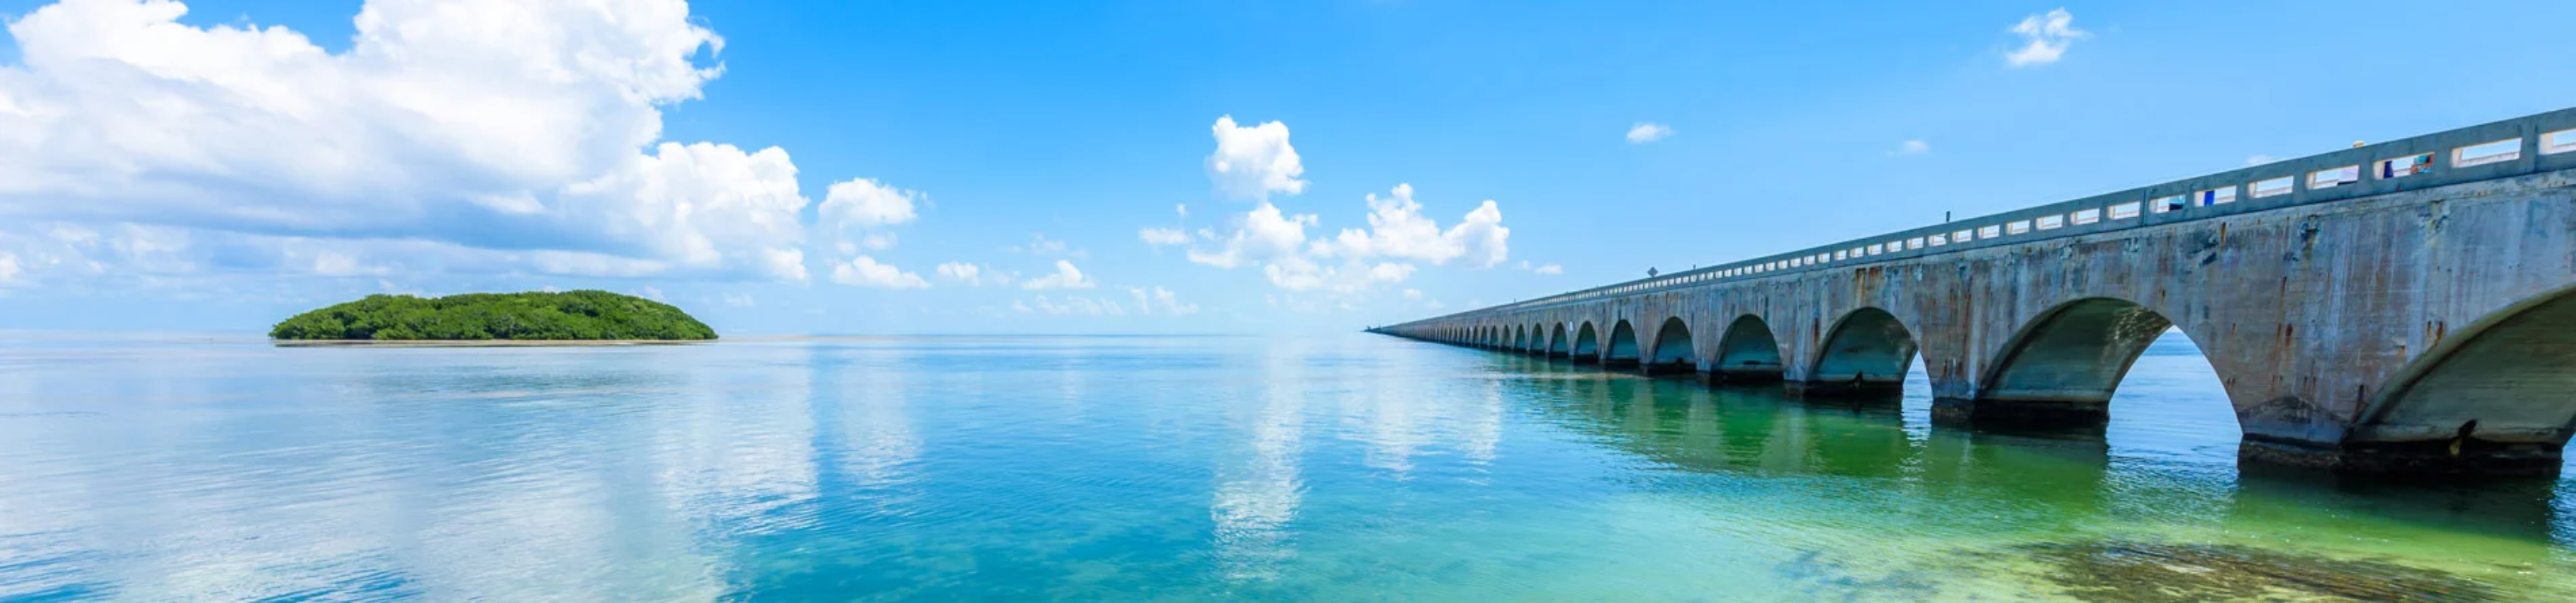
1669	368
1856	387
1745	376
2021	414
2466	458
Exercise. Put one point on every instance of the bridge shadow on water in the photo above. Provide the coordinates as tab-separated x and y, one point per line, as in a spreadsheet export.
2160	483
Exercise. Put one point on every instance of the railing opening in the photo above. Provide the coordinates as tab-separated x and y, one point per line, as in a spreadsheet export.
1937	240
1963	236
2166	204
2486	153
2017	227
2124	211
2406	166
2051	222
1990	232
2218	196
2085	216
2274	187
2323	179
1915	243
2558	142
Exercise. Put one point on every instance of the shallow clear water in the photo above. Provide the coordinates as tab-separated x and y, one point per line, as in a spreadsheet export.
1342	467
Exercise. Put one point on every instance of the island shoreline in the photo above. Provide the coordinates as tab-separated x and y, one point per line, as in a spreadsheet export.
477	343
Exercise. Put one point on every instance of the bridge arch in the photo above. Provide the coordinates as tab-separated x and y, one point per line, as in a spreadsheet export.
1748	352
1587	344
1557	345
1538	339
1673	351
2060	369
1867	352
1622	350
2496	392
1520	337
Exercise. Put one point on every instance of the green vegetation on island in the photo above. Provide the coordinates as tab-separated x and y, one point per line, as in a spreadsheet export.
538	316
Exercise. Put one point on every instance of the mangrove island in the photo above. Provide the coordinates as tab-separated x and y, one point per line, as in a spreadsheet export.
531	316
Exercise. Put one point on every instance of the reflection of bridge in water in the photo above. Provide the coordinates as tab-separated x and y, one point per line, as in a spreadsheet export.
2403	307
1771	448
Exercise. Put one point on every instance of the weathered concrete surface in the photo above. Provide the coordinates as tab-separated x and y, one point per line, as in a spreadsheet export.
2418	331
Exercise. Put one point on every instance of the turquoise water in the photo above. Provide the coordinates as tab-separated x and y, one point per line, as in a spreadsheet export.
1340	468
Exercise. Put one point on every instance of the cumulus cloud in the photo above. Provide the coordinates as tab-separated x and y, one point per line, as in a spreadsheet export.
857	208
1548	269
1262	234
1065	277
2044	38
1645	132
1250	163
864	271
1356	259
512	135
1397	229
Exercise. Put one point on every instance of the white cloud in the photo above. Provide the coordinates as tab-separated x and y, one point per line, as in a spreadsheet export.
2044	38
1252	162
8	268
1072	304
651	293
1355	259
1264	233
1548	269
866	203
877	241
1911	147
1645	132
1413	294
740	300
1160	300
1159	237
1065	277
864	271
523	132
961	272
1397	229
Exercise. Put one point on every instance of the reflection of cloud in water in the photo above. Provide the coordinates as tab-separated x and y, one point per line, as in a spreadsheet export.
738	456
876	425
1257	493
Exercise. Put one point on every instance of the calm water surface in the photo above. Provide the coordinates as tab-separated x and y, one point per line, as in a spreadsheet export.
1339	467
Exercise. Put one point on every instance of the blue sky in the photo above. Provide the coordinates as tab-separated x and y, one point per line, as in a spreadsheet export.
171	177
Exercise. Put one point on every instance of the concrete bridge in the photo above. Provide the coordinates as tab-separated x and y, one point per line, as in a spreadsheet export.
2402	307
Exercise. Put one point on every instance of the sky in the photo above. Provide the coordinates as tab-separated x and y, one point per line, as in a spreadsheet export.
783	168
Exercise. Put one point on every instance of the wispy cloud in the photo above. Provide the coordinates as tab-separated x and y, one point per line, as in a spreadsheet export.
2044	38
1645	132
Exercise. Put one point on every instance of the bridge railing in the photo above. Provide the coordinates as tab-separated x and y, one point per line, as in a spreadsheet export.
2514	147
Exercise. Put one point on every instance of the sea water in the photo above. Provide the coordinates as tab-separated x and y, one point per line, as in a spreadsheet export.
1344	467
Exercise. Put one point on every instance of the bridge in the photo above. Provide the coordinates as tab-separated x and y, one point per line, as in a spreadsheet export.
2407	307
